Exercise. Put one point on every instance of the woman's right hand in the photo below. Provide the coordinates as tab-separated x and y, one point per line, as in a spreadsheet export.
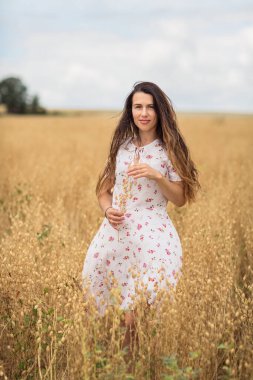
115	217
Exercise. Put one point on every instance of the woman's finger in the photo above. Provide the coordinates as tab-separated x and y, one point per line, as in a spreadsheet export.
137	171
141	172
114	212
115	220
135	167
116	217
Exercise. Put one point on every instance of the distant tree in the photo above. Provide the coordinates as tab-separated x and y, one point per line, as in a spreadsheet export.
34	106
13	93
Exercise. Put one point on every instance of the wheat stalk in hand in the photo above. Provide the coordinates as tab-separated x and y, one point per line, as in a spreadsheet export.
127	187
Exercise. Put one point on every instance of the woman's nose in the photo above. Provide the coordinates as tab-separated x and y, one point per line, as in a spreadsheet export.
144	111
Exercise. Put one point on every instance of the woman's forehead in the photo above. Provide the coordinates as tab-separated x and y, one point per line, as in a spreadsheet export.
142	98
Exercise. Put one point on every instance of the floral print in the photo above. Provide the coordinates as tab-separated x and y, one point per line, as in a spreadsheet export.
147	242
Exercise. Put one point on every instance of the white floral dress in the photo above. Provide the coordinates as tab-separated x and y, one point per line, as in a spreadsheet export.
147	241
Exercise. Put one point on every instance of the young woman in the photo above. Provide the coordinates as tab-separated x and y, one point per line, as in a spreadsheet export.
149	164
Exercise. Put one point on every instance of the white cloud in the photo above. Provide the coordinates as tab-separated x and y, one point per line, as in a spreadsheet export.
198	61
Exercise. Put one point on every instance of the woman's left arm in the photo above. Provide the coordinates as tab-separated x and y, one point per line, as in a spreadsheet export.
172	190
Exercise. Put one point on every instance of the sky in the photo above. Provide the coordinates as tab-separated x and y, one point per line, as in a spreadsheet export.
88	54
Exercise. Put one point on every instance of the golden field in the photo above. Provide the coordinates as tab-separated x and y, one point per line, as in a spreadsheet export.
48	216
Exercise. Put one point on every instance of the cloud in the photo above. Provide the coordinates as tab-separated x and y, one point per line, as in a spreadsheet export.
200	62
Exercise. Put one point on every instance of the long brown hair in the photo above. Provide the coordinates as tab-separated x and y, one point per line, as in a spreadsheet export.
167	131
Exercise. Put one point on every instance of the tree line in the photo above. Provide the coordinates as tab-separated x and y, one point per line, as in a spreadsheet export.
14	95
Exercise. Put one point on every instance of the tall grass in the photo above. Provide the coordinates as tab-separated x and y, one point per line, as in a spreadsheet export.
48	216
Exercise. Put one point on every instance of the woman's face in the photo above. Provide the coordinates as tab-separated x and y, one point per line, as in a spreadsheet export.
143	110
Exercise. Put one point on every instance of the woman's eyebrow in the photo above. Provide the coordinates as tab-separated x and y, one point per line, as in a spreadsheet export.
139	104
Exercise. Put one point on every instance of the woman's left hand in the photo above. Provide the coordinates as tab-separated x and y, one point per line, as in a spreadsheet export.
143	170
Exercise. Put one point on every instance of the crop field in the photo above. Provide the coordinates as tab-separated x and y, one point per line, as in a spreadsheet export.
48	216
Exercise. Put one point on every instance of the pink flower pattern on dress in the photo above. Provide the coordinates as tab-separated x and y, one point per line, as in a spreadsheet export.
148	241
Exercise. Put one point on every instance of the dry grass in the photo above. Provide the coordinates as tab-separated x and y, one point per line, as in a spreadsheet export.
48	216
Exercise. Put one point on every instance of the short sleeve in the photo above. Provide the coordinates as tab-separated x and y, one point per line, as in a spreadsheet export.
171	172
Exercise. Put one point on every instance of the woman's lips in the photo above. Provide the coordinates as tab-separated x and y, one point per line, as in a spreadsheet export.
144	121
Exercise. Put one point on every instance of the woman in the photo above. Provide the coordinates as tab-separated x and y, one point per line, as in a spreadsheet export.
149	164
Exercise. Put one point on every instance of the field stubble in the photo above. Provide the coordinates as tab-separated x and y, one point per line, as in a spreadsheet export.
48	216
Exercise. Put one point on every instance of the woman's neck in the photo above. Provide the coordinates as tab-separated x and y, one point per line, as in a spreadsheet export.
141	140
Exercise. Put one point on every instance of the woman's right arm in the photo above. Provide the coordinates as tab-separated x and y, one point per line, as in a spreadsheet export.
105	200
105	196
114	216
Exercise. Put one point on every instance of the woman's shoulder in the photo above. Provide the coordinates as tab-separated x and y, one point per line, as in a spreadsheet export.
161	152
160	148
126	144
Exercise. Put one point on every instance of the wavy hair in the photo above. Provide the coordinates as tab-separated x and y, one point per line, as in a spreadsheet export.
167	131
